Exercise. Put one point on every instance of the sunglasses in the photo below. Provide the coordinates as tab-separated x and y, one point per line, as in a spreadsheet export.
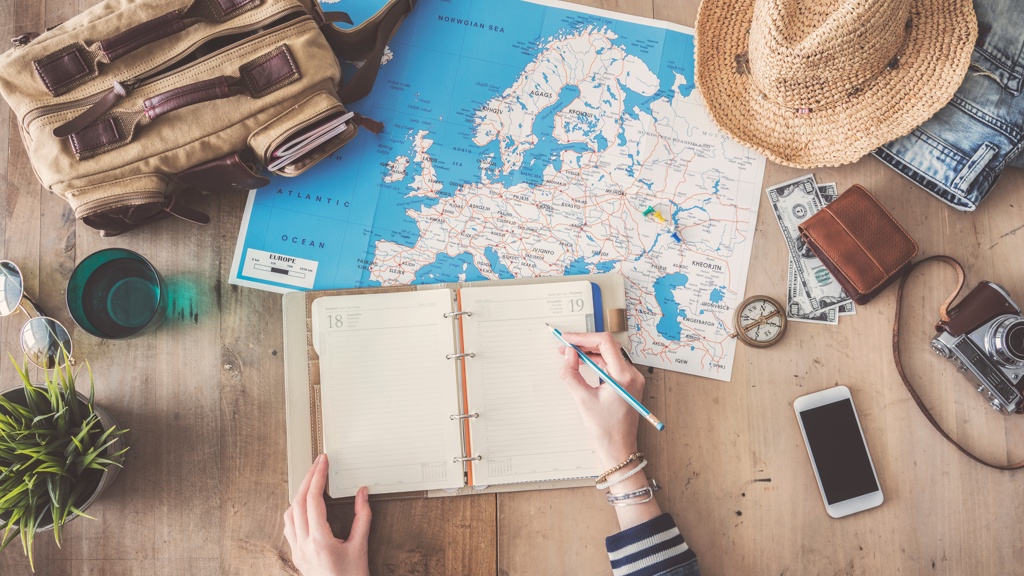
46	342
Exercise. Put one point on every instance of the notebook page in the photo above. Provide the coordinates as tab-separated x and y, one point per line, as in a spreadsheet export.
529	427
387	391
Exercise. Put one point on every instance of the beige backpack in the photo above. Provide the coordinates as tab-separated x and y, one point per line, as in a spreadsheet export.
133	102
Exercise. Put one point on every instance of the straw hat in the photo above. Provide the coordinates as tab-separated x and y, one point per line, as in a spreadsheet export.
823	82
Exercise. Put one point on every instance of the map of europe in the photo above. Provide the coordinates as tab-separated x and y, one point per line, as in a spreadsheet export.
529	139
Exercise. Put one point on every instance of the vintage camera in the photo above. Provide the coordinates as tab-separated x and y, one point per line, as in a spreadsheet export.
984	338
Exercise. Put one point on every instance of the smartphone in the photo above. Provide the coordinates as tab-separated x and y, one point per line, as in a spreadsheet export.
839	454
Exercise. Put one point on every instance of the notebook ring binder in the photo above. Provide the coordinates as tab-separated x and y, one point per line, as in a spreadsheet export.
452	314
324	381
464	416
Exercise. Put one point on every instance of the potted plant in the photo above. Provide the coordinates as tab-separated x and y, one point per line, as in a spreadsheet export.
58	452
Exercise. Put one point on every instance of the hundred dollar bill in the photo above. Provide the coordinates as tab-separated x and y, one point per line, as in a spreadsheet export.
828	192
794	202
798	305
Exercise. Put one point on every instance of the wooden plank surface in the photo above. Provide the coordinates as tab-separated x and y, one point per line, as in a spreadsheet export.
204	486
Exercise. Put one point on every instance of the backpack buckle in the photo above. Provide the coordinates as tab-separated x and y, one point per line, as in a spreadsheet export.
24	39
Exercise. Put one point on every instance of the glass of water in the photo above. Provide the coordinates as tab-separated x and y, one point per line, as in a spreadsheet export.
116	293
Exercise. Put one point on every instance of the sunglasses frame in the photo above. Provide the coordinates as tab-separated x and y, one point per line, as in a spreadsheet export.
35	314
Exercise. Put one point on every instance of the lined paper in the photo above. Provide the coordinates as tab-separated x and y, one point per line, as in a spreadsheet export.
388	391
529	427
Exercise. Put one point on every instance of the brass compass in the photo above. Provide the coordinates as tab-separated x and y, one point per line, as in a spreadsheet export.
760	321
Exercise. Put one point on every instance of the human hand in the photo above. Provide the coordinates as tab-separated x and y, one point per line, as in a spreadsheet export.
611	422
315	550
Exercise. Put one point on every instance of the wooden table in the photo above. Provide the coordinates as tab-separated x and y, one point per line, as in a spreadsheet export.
204	485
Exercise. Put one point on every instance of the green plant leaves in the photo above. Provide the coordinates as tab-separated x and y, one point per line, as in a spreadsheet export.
49	444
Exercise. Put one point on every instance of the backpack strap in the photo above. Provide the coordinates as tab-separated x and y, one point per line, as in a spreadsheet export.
365	43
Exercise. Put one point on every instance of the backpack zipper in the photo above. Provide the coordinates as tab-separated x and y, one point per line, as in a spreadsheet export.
144	78
114	199
107	101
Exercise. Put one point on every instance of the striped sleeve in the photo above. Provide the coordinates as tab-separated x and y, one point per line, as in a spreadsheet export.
649	549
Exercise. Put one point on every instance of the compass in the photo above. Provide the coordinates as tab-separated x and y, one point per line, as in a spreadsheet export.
760	321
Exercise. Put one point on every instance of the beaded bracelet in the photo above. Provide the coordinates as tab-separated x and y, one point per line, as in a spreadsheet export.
622	478
634	456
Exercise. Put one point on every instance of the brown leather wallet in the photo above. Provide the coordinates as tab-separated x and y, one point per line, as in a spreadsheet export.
860	243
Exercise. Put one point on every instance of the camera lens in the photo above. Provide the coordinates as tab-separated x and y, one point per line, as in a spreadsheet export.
1005	340
1015	340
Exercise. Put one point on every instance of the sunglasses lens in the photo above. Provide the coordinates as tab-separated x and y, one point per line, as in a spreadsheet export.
11	287
46	342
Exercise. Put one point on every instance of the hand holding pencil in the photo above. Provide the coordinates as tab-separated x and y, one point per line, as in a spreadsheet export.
610	421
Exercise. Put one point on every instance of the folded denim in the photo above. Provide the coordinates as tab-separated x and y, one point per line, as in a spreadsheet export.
959	154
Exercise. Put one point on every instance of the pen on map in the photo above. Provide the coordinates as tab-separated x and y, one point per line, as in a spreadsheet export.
609	380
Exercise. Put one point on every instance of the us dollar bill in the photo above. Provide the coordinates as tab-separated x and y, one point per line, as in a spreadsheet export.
798	305
793	203
827	193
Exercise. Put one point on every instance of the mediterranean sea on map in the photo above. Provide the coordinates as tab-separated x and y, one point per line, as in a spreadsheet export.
528	139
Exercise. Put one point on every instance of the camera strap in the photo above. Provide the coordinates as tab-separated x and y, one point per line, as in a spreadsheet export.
944	315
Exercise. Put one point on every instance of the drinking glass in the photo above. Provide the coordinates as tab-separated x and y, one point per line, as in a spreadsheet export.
116	293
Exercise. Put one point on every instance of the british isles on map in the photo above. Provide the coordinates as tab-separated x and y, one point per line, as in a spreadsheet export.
529	139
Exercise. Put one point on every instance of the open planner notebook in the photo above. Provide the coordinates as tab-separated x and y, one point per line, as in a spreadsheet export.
450	388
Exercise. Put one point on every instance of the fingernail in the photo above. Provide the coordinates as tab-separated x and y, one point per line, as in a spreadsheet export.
568	352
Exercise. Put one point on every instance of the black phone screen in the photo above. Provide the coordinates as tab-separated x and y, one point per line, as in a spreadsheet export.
839	451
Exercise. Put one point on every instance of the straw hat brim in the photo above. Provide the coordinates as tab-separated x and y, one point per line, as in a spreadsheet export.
934	63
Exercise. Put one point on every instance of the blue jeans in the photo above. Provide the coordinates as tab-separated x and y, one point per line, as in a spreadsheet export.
959	154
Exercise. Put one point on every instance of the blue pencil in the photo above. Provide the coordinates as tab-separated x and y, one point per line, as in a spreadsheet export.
609	380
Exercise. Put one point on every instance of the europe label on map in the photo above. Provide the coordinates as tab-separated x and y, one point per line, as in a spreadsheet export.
529	139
